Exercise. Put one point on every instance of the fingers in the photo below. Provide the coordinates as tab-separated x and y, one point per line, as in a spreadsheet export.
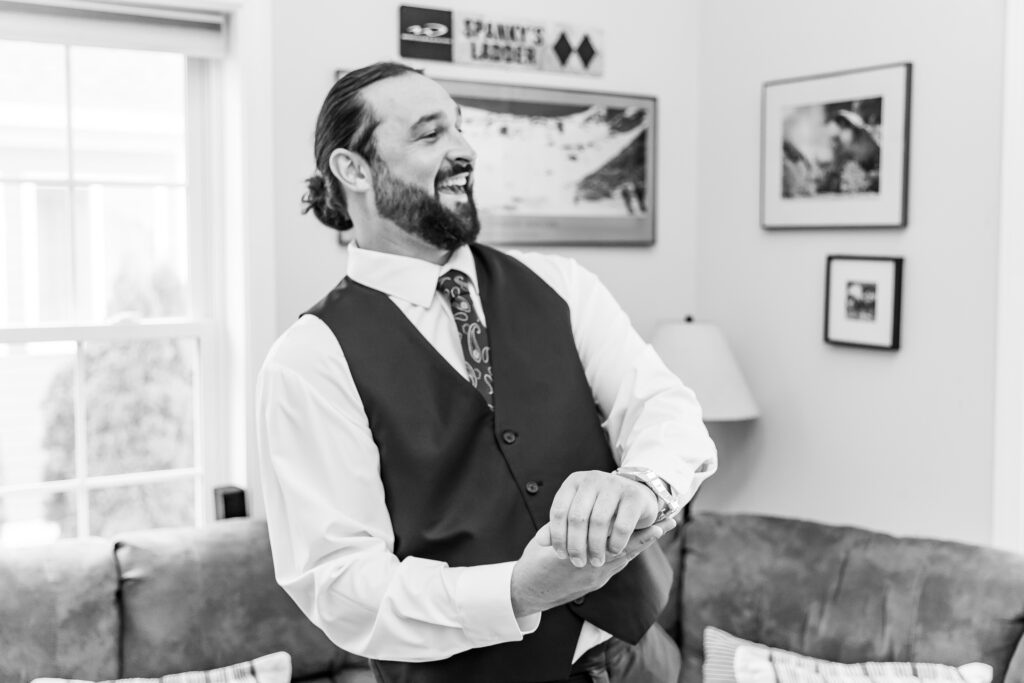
602	516
625	524
644	538
594	514
543	535
559	517
578	526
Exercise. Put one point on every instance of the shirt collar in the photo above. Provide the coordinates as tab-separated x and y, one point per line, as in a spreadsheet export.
405	277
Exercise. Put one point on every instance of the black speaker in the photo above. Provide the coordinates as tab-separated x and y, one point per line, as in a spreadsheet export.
230	502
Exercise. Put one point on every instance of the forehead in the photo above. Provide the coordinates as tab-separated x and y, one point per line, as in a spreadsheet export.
399	102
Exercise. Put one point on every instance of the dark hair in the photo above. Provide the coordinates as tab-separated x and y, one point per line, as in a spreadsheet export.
345	121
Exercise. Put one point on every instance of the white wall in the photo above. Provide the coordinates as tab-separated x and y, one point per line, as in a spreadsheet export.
653	52
899	441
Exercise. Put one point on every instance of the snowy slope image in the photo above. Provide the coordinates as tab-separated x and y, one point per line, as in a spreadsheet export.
557	160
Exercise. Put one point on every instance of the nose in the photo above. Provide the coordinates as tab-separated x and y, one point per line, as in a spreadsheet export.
462	151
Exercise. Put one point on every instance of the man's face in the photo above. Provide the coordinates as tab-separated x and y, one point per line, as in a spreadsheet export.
422	178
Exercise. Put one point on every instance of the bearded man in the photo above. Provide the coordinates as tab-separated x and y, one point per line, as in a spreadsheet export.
467	456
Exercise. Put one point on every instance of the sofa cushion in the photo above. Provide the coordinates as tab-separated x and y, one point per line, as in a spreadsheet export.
273	668
848	595
728	659
59	611
207	598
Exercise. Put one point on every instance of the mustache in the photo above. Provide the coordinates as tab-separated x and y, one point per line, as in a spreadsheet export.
455	169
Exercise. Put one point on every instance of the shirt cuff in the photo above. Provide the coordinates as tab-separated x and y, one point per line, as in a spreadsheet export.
484	599
674	472
529	623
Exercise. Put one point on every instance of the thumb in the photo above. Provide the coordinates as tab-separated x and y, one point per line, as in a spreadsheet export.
644	538
543	535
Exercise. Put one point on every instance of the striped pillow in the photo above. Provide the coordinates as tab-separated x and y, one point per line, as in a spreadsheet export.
273	668
728	659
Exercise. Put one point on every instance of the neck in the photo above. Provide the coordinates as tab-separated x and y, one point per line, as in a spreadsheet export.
384	236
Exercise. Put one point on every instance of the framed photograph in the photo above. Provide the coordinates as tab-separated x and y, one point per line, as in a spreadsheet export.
862	301
560	166
834	150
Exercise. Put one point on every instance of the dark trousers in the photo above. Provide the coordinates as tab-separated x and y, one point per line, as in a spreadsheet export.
655	659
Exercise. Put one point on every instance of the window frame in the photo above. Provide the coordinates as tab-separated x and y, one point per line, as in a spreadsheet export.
1008	428
203	185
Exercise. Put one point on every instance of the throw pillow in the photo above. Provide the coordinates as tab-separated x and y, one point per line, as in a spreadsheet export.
272	668
728	659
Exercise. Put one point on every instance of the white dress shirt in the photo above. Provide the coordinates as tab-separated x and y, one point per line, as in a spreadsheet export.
329	525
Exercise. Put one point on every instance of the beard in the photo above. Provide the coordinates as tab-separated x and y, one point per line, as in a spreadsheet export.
418	213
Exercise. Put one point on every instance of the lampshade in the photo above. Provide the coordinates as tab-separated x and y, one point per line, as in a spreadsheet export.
700	356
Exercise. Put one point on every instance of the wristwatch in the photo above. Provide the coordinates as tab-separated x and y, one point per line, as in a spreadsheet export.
669	503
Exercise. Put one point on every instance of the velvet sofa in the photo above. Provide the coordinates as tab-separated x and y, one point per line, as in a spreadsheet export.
849	595
152	603
147	604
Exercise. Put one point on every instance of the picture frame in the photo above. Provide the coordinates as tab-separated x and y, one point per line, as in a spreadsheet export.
835	149
863	301
554	166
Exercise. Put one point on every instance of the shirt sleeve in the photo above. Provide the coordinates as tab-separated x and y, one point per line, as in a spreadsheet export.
330	530
652	419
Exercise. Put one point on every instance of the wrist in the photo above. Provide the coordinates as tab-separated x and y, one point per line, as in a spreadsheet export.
667	502
656	504
523	604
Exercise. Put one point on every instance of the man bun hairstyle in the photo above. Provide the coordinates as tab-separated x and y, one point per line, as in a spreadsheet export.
329	210
345	121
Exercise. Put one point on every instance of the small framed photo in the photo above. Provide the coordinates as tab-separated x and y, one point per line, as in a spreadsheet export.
834	149
862	301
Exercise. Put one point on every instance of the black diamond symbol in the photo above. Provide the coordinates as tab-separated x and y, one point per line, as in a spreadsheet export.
563	49
586	51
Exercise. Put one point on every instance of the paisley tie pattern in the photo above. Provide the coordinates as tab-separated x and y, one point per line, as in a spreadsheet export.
476	350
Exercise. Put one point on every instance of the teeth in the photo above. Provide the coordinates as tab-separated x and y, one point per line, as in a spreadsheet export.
456	182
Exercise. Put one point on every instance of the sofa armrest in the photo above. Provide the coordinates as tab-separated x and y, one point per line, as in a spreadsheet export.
205	598
847	594
58	611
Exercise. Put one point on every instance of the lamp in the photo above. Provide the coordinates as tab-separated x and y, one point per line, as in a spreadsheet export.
700	356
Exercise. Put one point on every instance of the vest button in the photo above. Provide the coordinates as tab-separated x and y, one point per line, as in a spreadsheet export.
579	601
509	437
532	487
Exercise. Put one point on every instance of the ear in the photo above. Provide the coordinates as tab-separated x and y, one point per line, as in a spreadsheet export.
351	170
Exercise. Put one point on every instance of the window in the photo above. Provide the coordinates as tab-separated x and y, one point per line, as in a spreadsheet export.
107	299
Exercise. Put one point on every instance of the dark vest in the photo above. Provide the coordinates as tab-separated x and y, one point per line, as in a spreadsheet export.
470	487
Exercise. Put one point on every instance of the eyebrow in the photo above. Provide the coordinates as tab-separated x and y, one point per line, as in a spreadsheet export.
427	118
430	118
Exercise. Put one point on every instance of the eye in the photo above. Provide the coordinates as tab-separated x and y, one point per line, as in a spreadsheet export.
430	134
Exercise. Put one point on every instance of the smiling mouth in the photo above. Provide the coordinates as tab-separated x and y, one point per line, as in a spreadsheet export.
456	184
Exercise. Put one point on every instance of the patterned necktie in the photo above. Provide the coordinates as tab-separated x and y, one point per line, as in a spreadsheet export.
476	350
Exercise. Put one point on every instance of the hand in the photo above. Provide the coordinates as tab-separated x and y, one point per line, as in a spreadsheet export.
595	513
541	580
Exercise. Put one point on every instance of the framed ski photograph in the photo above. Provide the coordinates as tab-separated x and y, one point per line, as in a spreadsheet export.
559	166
